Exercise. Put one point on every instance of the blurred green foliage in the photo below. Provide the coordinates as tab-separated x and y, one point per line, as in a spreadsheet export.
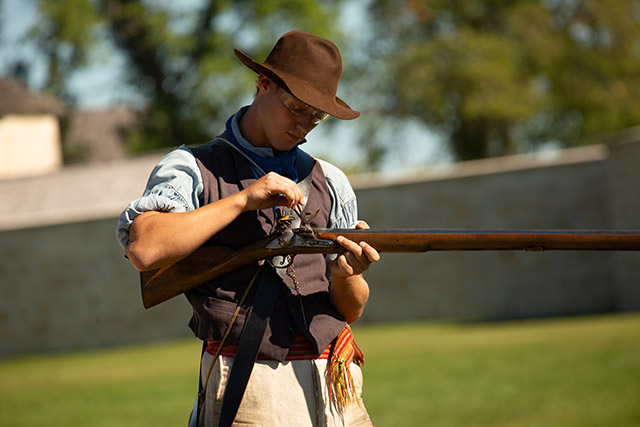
505	76
490	77
178	54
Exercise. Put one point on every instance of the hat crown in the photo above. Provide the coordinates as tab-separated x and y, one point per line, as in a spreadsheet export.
309	58
307	66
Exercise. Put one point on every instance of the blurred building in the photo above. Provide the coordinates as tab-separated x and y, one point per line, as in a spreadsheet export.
98	135
29	131
39	133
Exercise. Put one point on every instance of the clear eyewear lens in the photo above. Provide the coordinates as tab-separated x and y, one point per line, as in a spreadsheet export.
298	108
319	117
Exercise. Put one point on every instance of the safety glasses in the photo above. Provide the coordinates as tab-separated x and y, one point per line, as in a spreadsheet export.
299	108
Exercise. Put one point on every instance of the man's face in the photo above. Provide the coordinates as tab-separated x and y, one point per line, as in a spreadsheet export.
283	129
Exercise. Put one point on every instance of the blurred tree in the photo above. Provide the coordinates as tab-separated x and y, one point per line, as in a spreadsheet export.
179	54
504	76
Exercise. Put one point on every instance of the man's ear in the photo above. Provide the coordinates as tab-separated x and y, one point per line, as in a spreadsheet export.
263	83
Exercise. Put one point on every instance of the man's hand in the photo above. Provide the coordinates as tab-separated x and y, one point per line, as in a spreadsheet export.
158	239
349	291
357	259
272	190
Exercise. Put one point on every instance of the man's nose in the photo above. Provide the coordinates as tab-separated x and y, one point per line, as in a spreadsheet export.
305	122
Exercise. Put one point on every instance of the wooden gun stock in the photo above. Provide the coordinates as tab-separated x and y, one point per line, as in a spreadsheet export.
203	265
207	263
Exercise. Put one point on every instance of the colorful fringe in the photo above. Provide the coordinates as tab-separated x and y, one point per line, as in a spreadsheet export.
342	391
340	354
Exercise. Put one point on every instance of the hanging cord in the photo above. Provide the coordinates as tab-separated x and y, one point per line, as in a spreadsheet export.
245	156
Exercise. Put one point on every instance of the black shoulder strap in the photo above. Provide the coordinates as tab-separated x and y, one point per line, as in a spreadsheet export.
269	285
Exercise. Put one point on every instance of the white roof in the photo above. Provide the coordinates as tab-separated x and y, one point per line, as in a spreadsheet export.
75	193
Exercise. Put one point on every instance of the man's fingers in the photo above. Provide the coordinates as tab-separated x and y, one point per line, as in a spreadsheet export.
361	225
345	265
371	254
274	190
349	245
289	190
358	256
362	249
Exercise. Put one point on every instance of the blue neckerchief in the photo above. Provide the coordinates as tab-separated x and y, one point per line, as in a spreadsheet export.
282	162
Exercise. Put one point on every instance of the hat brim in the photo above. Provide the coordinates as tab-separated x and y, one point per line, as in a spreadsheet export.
301	90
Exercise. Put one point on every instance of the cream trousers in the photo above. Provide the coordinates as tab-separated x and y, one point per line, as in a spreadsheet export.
287	394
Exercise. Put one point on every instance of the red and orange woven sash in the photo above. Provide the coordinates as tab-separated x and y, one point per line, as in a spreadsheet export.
340	353
342	390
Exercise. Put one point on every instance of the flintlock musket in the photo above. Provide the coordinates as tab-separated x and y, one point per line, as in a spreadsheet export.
207	263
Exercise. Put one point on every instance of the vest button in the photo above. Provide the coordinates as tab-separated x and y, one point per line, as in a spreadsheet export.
292	330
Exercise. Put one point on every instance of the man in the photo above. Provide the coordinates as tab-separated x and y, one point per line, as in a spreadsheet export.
240	187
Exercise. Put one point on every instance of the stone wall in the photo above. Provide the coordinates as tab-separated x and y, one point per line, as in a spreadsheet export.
68	286
569	193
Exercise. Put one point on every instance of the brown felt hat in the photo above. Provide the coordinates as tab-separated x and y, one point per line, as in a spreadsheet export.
308	67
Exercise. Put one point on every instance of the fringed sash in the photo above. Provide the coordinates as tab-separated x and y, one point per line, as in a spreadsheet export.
340	353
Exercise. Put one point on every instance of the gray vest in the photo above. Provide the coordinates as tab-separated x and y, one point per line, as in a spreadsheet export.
225	172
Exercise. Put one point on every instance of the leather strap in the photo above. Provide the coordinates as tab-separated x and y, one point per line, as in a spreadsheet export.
269	286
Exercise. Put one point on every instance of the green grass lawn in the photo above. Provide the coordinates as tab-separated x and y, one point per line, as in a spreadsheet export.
560	372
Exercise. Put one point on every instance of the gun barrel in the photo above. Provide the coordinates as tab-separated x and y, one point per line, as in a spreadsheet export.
424	240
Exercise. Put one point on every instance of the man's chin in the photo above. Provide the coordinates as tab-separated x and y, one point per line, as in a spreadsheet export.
288	143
